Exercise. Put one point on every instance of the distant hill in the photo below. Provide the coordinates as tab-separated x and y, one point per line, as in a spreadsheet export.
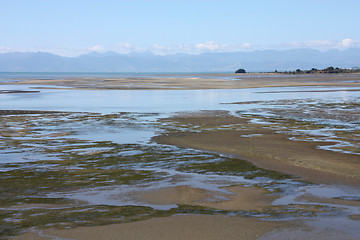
255	61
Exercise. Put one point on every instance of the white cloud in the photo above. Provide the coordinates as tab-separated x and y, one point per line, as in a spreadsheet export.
125	48
185	47
320	44
246	46
158	47
349	43
161	50
196	48
4	49
97	48
208	46
212	46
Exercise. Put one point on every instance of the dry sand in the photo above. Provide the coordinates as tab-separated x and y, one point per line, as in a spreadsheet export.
190	227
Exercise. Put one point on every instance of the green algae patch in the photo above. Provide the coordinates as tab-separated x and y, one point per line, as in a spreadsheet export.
196	209
355	217
16	222
10	200
300	211
30	181
85	216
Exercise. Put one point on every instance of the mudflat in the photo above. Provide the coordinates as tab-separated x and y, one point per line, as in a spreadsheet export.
199	81
265	147
181	193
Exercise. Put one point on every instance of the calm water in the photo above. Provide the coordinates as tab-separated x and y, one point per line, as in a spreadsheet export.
160	101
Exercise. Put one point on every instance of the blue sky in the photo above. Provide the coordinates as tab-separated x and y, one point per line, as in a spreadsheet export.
73	27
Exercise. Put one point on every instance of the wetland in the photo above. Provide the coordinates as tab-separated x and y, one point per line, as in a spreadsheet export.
278	155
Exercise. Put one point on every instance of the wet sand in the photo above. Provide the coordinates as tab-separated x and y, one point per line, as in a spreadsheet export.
192	227
237	198
199	81
266	148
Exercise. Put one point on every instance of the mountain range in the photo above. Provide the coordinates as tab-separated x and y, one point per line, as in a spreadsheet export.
255	61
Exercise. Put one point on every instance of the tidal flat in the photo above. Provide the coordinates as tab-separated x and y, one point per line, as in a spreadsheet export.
277	160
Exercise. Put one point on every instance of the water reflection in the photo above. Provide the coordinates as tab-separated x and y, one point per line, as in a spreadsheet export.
162	101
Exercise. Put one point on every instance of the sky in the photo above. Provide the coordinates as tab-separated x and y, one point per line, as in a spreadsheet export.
74	27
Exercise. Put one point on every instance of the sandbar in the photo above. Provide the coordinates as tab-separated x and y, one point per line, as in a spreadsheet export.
200	81
237	198
267	148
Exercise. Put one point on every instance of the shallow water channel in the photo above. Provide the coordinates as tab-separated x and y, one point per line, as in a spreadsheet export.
96	154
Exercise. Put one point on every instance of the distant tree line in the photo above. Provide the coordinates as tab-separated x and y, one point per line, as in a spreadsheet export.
325	70
240	70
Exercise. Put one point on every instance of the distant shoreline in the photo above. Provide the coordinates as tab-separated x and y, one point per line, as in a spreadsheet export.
187	82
